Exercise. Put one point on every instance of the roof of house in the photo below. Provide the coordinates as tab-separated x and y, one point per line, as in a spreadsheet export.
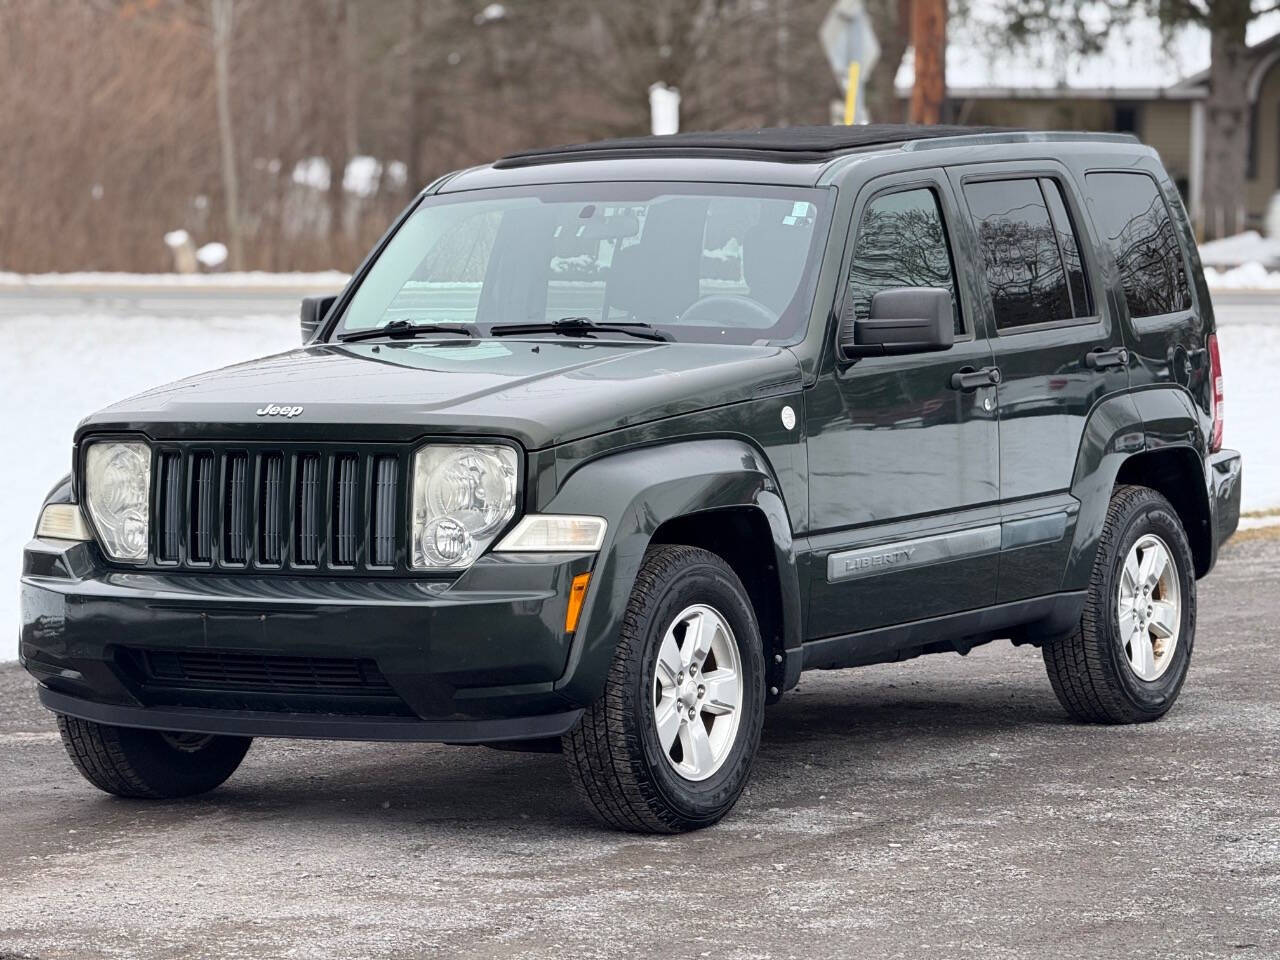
1140	60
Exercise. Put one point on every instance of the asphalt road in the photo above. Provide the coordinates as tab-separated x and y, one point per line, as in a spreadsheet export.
942	808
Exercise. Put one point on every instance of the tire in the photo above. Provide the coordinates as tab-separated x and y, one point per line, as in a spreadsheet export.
148	764
1095	673
615	755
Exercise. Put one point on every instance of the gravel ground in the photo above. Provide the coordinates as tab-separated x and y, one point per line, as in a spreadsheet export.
942	808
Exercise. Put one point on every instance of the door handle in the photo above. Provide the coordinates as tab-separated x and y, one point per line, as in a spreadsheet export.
1100	359
967	378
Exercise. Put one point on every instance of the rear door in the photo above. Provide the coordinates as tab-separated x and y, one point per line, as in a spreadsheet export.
903	465
1057	343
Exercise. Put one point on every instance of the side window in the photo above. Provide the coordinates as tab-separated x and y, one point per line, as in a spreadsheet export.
902	242
1134	221
1069	244
1024	253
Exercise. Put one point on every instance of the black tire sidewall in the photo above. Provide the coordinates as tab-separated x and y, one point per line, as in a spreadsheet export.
1152	515
172	773
705	801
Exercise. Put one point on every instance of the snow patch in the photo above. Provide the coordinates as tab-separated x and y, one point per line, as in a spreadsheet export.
363	176
1140	55
1248	276
212	255
322	280
1249	247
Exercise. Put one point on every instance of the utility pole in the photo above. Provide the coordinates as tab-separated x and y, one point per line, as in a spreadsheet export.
929	39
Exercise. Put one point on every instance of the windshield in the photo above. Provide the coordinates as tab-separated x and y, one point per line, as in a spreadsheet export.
731	263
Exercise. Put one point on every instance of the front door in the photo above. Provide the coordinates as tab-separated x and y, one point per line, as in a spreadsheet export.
1058	347
903	459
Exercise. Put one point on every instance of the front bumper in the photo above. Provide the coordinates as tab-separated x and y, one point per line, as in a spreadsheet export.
476	659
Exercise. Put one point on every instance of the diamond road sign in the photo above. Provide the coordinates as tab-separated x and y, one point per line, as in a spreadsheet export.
847	38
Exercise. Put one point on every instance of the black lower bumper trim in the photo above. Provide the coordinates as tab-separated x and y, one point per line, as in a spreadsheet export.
240	723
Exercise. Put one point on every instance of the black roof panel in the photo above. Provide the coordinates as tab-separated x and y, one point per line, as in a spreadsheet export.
794	144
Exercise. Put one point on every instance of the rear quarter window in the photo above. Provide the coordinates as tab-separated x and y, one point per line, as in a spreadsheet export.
1135	223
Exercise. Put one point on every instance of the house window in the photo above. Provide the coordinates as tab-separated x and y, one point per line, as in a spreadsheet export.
1126	118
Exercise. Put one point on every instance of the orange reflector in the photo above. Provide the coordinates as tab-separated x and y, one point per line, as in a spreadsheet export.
577	593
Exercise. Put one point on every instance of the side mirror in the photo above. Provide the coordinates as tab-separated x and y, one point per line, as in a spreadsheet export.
903	320
313	314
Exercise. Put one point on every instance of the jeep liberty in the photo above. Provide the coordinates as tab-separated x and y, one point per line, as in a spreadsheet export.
604	445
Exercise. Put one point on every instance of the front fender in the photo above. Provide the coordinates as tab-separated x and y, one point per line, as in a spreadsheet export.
639	490
61	492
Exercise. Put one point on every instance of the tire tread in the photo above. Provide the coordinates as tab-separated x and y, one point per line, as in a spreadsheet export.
604	750
1080	666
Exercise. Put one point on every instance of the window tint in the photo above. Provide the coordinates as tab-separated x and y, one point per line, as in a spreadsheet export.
901	243
1020	252
1128	210
1069	244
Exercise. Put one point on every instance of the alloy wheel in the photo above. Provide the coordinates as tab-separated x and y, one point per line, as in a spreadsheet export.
697	692
1149	607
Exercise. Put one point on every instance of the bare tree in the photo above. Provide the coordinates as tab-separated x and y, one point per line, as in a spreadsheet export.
1226	107
221	26
929	40
890	19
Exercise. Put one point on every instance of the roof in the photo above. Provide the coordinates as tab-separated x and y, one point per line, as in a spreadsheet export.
787	144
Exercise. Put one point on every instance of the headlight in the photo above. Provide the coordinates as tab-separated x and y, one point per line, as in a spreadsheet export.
555	533
462	498
117	479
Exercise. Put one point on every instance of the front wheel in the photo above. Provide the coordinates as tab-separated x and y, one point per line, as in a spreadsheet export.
1127	660
669	746
147	763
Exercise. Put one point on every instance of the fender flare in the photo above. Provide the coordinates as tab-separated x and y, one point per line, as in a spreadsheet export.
637	491
1119	428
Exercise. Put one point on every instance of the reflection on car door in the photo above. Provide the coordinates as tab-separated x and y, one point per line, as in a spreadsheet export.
904	468
1058	348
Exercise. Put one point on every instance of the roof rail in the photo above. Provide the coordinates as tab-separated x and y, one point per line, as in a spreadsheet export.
1021	136
779	144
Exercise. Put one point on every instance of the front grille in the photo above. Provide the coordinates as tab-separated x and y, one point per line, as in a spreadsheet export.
247	671
327	508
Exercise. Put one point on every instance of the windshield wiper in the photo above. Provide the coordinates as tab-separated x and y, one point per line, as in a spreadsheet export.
407	330
580	327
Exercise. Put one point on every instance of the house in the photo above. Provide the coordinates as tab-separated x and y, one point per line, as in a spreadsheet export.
1144	80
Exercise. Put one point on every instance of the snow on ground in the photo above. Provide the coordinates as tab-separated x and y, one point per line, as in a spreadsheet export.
324	280
1137	55
1248	276
58	369
1248	249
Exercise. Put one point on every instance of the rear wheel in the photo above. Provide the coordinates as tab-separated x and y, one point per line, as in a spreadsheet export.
148	763
1128	659
669	746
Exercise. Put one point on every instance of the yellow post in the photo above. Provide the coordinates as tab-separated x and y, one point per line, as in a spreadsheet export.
851	94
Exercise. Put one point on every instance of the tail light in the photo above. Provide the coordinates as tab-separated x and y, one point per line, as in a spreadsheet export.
1215	384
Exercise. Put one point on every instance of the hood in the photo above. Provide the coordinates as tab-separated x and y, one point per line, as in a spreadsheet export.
540	392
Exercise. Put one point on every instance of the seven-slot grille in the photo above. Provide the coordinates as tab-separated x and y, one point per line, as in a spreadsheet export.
271	507
251	671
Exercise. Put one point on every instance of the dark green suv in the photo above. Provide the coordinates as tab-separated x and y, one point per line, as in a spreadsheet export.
604	445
